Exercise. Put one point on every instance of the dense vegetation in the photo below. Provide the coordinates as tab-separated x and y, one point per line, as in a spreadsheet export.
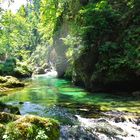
95	43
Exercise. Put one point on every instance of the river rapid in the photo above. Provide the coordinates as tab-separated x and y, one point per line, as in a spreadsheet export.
82	115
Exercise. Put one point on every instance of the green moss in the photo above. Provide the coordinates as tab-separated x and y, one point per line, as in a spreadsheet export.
3	79
2	130
29	127
9	82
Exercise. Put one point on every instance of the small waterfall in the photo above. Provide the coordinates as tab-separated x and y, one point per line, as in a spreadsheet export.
52	71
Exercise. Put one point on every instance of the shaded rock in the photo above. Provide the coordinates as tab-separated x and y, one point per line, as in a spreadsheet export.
9	109
6	117
119	119
22	74
136	93
76	133
21	103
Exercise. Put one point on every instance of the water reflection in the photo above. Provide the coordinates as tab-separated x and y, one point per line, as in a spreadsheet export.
47	91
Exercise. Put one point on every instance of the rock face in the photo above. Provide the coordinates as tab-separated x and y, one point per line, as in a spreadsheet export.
107	57
27	127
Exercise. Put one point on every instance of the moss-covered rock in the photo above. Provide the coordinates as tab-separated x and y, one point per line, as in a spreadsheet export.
10	82
3	79
7	117
13	82
28	127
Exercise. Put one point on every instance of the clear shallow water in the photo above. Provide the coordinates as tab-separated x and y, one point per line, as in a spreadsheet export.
47	91
59	99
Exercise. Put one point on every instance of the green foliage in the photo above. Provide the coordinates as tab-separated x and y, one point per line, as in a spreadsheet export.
99	38
13	38
39	56
7	68
22	70
97	20
102	43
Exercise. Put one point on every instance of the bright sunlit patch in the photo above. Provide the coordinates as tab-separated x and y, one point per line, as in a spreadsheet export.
13	6
75	92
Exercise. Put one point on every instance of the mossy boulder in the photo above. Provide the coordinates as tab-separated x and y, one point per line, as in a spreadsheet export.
28	127
3	79
10	82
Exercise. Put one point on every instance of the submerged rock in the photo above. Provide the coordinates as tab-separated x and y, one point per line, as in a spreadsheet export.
105	129
117	116
27	127
76	133
9	109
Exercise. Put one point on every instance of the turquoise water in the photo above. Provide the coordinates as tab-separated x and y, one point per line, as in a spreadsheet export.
81	114
58	98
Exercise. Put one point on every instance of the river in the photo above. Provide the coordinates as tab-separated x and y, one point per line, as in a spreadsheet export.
82	115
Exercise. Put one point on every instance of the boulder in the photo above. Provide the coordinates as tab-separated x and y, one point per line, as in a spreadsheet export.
10	82
28	127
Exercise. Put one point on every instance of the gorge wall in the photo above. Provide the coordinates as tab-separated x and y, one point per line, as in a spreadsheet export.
97	44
